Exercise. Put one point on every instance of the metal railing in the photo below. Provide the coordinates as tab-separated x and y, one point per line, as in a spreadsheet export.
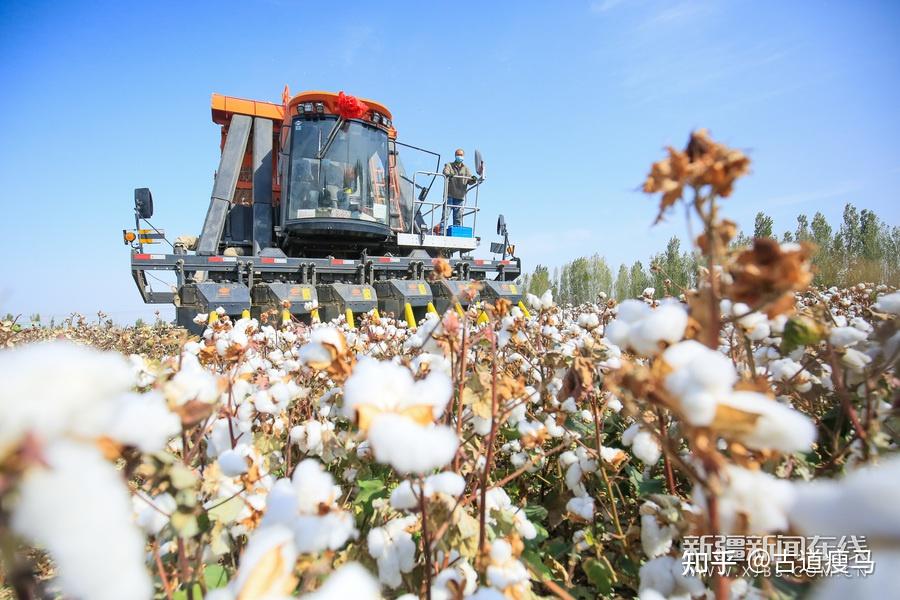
425	211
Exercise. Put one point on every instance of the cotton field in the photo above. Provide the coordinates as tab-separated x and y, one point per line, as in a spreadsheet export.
515	452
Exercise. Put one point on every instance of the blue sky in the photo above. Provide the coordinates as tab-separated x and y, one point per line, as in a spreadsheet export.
569	102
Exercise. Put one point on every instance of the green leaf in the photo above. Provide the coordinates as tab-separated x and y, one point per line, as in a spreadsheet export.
599	574
535	512
651	486
216	576
557	547
183	594
533	560
370	489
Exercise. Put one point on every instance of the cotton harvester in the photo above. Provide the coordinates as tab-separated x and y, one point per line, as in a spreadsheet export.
312	209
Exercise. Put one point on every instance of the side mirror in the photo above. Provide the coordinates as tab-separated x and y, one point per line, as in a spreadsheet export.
479	163
501	225
143	203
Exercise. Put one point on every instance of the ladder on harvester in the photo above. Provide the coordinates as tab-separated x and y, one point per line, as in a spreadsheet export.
396	211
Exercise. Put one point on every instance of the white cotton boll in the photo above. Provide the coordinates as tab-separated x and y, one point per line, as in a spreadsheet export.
282	393
219	438
192	382
262	400
306	504
505	572
855	360
663	577
629	433
461	576
646	448
351	580
388	386
588	321
233	462
481	425
314	486
404	497
501	551
846	336
58	387
552	428
319	533
699	407
891	345
409	447
708	370
79	510
861	324
754	498
582	506
143	421
863	502
448	482
618	332
657	575
655	540
632	311
568	458
778	427
665	324
612	455
152	514
759	332
263	542
308	437
281	503
518	459
699	375
547	299
755	324
435	390
573	479
889	303
886	576
393	549
614	404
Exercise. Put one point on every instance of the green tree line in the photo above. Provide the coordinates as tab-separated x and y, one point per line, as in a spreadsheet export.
862	248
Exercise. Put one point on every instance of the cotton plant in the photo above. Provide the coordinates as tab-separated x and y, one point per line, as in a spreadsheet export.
60	404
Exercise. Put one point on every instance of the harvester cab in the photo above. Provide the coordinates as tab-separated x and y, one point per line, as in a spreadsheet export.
313	213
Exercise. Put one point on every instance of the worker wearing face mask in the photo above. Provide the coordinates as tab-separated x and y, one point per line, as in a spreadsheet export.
458	179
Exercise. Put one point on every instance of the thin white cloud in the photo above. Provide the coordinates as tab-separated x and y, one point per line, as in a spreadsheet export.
601	6
678	14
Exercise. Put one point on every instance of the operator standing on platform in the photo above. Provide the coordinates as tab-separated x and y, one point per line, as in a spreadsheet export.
458	179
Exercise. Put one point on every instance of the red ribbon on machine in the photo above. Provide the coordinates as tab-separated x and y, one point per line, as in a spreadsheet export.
351	107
